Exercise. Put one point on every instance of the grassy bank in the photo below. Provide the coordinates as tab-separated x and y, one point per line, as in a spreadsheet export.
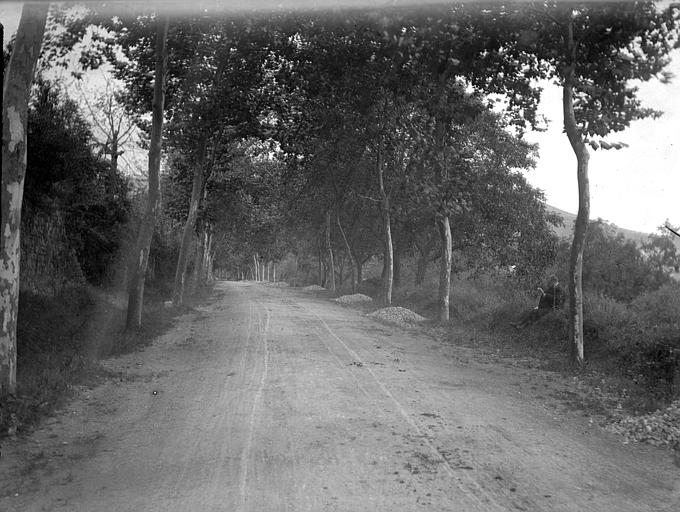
60	340
632	350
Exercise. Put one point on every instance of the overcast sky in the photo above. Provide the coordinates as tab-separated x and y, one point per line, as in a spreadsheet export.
636	187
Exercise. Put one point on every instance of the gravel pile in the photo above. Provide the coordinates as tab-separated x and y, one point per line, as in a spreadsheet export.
279	284
313	288
397	315
353	299
659	428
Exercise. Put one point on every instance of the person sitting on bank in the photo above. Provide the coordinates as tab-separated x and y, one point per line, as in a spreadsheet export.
552	297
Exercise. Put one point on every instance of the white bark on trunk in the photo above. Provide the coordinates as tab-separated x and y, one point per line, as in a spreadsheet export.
15	93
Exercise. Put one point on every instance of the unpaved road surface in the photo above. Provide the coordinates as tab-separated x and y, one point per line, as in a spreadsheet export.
273	399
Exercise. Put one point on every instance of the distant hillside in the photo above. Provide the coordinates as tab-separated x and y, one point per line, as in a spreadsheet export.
566	231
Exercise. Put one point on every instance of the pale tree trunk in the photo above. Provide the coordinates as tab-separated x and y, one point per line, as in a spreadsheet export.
207	274
329	251
352	259
140	261
274	269
397	266
445	268
581	224
15	94
189	227
388	264
256	275
443	224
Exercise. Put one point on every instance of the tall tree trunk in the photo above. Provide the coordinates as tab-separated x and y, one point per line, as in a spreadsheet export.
207	275
445	268
194	269
136	290
581	224
329	252
360	270
385	209
322	269
397	266
442	120
189	226
15	94
352	259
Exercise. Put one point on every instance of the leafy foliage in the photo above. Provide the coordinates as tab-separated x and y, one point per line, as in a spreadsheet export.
63	173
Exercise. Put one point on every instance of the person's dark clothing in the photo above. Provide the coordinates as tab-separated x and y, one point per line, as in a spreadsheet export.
551	298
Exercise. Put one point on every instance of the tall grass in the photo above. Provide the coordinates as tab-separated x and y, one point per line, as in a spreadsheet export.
59	340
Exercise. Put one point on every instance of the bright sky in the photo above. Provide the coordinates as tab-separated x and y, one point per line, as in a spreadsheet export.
636	187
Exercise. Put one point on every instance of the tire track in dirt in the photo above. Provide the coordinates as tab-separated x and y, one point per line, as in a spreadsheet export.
262	332
486	499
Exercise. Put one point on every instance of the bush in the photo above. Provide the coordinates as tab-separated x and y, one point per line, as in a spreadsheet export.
660	312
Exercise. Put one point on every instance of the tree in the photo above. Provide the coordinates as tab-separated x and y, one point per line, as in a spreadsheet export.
64	176
141	259
593	52
15	92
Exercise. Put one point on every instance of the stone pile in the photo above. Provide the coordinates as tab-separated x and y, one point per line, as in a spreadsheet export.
397	315
353	299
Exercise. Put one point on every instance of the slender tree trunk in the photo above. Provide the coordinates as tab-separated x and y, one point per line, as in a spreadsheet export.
140	260
360	270
274	269
352	259
421	266
388	267
189	227
581	224
16	89
445	268
194	269
329	252
322	273
442	120
208	276
397	266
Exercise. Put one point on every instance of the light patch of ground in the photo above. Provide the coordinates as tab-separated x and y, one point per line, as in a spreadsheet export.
397	315
313	288
353	299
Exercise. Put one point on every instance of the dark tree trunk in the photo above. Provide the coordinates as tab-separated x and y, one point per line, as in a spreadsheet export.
16	90
353	260
360	270
329	252
189	227
140	260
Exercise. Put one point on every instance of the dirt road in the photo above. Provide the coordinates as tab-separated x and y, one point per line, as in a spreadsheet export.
271	399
